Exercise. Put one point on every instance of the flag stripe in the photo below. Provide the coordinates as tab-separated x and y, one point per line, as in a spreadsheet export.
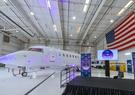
120	25
124	33
125	27
121	40
123	36
125	46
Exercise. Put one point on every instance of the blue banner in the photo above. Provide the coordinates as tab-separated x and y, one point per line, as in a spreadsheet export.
133	56
129	66
86	65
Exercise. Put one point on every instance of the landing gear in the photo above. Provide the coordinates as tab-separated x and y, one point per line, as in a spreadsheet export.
24	74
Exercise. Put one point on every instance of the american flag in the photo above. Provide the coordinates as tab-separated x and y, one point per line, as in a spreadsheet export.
123	36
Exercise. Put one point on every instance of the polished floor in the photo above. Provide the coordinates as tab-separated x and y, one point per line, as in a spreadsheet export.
18	85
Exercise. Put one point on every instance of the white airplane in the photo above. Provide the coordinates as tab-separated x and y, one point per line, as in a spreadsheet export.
39	57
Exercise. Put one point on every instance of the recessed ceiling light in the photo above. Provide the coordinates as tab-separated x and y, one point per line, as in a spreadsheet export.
95	37
17	31
111	20
5	1
73	17
71	35
32	13
55	28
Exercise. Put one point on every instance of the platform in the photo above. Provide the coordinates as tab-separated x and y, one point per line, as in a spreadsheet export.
100	86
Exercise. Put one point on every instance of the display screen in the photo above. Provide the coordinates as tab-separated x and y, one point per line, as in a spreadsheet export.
107	54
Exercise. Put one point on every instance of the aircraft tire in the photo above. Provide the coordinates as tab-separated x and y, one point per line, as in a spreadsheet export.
24	74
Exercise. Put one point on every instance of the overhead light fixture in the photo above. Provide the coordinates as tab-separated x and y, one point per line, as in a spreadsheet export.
32	13
111	20
55	28
17	31
49	4
125	7
5	1
128	4
71	35
95	37
121	11
73	17
85	8
78	30
128	53
87	1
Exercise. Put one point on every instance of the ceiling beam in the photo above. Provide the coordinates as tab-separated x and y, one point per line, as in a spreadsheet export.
93	19
61	13
16	23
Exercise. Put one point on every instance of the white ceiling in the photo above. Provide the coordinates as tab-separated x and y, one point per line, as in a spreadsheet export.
40	25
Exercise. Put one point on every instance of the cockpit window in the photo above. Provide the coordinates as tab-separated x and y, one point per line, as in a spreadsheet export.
36	49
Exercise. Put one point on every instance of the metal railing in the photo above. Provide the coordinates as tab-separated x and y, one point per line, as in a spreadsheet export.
67	75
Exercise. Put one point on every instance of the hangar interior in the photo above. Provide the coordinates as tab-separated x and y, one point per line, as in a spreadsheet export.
78	26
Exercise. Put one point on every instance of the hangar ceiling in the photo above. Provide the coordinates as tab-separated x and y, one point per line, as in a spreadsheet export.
65	22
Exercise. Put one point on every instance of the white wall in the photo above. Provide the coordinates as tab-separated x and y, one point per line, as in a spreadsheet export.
12	46
123	57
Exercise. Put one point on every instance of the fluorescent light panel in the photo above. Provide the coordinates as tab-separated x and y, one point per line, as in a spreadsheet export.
128	53
78	30
125	7
49	4
5	1
128	4
85	8
87	1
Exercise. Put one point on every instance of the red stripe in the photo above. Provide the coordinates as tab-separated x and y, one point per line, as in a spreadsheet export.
127	47
126	28
130	41
125	33
132	35
125	24
126	18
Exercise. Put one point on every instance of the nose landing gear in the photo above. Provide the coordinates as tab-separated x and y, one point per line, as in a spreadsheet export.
24	74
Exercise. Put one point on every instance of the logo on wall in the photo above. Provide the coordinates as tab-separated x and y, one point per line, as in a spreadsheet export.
86	65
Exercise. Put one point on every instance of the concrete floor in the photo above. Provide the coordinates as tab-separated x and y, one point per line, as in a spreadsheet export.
10	85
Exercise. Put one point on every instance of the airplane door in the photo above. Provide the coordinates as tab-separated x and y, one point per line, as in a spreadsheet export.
52	57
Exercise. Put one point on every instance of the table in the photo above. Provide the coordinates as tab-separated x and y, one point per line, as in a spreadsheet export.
100	86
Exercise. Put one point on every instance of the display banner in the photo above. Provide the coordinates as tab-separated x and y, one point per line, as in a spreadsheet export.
86	65
133	57
129	66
